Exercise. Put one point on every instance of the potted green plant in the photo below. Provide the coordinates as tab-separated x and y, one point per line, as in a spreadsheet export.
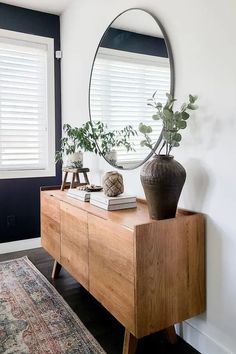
88	137
163	177
70	152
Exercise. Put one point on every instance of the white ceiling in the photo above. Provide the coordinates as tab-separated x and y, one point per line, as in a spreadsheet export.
50	6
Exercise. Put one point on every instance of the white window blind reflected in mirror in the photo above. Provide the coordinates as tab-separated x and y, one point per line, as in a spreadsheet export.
24	106
122	83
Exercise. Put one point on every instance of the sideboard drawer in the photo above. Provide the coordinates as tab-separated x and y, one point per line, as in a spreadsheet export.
51	236
74	242
111	268
50	225
50	206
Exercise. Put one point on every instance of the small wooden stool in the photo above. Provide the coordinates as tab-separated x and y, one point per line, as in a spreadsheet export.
75	182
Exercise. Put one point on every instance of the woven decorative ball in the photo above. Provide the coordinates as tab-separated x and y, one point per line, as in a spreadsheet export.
112	183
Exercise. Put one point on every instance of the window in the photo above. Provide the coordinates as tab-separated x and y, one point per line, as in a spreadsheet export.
122	82
27	116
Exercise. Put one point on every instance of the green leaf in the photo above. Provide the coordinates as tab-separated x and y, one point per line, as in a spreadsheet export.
175	144
185	115
177	137
192	98
168	95
141	128
184	106
156	116
168	114
154	94
144	129
143	143
170	101
193	107
182	124
178	116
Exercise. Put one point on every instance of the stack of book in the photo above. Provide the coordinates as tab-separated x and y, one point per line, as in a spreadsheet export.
83	196
123	201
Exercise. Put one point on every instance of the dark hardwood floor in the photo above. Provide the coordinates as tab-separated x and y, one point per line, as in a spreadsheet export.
99	322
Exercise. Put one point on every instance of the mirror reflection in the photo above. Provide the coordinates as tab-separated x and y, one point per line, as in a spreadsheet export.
131	63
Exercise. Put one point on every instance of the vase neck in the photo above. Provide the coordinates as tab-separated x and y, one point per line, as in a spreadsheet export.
164	157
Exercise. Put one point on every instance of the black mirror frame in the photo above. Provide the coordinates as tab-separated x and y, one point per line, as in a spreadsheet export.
172	80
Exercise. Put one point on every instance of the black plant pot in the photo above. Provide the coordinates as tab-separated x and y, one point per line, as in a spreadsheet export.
162	179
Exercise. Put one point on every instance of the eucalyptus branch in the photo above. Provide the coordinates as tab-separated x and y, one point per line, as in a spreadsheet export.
172	121
163	145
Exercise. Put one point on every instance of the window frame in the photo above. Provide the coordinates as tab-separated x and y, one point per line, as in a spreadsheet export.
50	170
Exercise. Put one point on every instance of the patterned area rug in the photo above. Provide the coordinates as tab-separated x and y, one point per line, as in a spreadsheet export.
34	318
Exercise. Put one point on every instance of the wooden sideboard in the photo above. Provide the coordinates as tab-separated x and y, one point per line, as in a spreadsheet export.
148	274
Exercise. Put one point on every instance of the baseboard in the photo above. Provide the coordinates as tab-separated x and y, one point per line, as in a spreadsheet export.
21	245
200	341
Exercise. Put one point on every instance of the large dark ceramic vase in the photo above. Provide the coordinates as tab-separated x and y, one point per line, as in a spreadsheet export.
162	179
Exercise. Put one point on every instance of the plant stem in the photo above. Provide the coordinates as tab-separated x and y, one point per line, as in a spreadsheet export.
161	147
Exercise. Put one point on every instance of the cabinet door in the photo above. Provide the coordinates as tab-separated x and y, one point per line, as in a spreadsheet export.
111	268
50	225
74	242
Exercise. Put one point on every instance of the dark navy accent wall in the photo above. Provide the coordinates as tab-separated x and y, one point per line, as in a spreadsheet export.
19	198
134	42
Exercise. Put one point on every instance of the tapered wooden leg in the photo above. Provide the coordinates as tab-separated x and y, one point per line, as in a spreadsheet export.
77	178
171	335
56	269
86	177
130	343
64	181
73	180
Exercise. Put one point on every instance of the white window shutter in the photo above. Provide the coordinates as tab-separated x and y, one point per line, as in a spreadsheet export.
23	105
121	85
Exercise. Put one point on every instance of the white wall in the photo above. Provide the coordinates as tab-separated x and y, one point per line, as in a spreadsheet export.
202	34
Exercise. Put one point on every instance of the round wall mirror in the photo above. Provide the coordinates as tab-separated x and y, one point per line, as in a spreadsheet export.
133	60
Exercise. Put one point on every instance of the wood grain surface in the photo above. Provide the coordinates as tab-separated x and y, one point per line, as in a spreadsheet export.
130	343
148	274
74	242
128	217
111	268
50	225
170	282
